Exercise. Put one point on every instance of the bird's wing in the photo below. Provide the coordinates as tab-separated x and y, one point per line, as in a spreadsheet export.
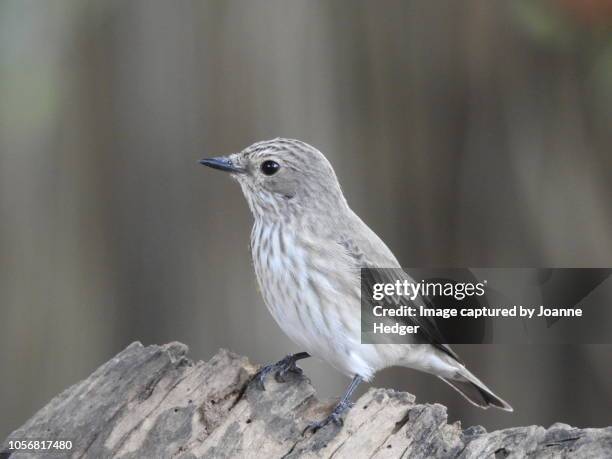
428	332
367	250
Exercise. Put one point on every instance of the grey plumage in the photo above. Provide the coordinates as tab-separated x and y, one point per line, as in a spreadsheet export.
308	247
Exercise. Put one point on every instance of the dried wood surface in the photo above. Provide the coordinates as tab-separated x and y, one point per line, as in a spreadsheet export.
154	402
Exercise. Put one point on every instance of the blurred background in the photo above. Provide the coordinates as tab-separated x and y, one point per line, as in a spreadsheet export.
473	133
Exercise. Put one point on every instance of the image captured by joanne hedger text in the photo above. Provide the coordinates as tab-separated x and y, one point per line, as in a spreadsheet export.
486	305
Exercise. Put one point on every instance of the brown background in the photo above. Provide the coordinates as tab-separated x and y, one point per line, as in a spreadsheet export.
473	133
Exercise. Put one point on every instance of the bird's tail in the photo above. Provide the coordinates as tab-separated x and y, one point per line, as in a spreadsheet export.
475	391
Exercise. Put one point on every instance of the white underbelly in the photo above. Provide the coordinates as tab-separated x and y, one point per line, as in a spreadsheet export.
318	314
308	320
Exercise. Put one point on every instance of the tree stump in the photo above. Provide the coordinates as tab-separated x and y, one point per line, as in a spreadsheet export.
153	402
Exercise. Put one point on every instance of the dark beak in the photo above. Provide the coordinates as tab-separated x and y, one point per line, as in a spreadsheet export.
223	164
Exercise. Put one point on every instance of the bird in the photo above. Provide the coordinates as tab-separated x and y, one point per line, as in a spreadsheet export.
308	248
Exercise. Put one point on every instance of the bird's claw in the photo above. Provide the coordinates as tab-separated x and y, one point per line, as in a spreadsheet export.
281	374
334	417
316	425
280	370
260	376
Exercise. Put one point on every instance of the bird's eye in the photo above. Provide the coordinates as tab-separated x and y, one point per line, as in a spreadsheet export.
270	167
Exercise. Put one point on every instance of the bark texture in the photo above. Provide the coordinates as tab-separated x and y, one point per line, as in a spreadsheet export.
153	402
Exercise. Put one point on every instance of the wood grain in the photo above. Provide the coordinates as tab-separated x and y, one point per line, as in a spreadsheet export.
153	402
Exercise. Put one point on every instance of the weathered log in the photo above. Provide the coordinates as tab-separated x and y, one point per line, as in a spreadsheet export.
154	402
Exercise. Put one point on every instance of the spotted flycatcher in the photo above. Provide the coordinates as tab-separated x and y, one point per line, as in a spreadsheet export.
308	248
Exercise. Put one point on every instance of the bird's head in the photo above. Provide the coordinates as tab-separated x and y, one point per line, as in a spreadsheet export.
283	177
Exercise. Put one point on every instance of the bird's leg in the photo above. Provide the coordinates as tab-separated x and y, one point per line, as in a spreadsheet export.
343	405
280	369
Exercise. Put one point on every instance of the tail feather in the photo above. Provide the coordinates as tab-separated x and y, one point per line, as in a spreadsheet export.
476	392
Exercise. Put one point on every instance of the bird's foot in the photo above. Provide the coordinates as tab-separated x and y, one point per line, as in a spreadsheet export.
334	417
280	370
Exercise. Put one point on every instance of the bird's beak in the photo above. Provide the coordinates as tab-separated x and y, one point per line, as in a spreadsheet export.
223	164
